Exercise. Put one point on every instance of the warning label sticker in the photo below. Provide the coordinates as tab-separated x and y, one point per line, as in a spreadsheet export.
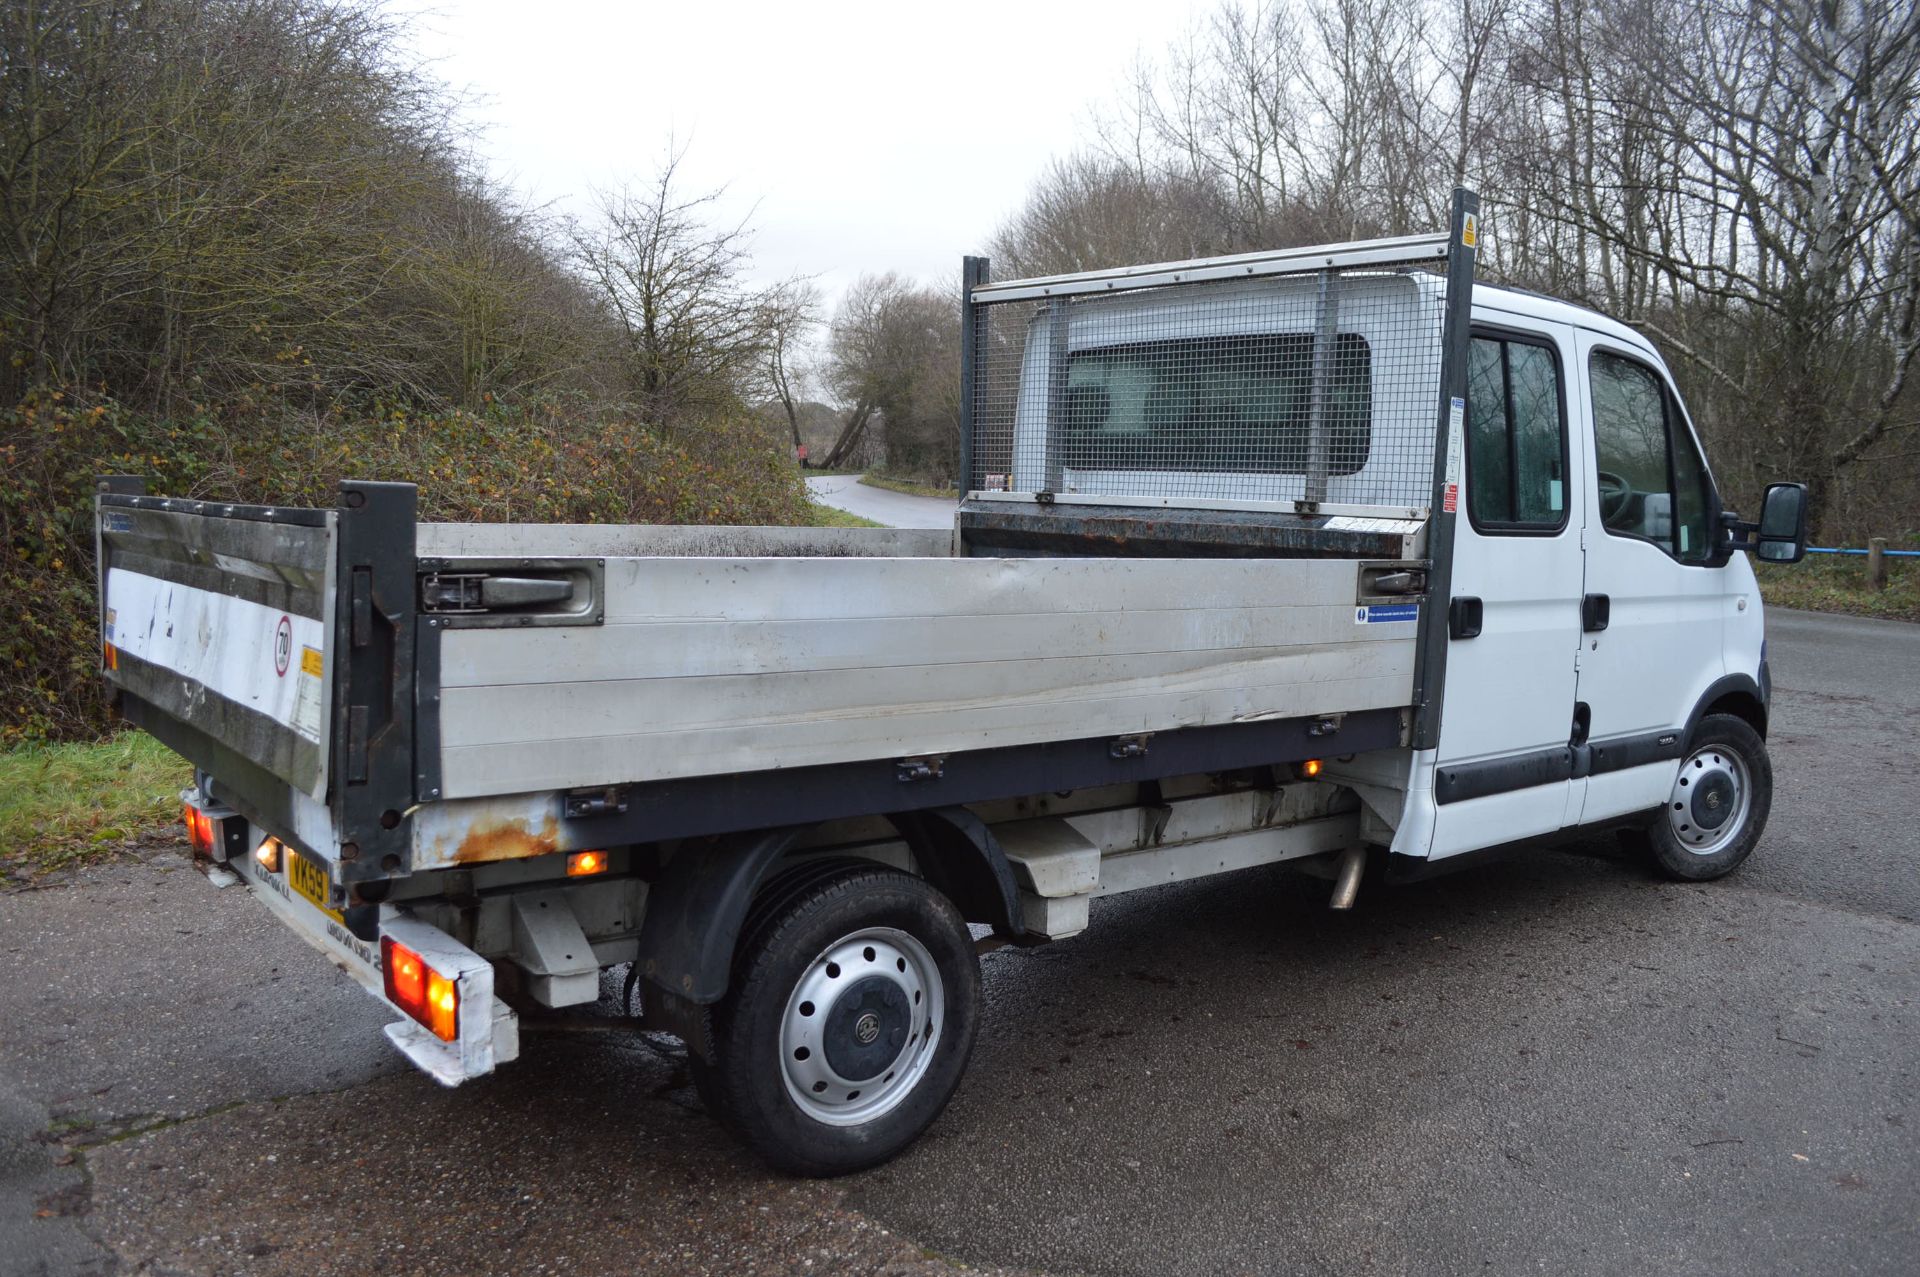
1385	613
1456	423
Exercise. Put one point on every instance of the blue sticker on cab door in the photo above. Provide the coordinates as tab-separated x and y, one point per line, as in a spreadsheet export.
1383	613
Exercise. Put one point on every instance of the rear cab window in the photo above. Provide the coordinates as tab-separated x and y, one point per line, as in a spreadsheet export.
1239	404
1516	435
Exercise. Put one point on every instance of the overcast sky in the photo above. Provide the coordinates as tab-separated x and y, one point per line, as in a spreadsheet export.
871	136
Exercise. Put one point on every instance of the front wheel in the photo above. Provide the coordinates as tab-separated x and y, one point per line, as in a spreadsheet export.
1719	802
848	1023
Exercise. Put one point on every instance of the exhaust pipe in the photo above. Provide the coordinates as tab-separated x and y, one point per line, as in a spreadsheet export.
1353	862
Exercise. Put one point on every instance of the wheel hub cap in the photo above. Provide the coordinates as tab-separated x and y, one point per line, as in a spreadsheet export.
860	1026
1708	808
867	1028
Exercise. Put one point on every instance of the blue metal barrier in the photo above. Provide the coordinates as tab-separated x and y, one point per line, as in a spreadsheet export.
1891	554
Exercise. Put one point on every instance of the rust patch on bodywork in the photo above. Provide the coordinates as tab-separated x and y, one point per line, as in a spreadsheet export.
508	840
476	831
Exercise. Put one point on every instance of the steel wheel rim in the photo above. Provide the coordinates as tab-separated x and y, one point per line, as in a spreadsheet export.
879	979
1711	798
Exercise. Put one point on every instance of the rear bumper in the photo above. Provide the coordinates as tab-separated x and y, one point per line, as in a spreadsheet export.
489	1031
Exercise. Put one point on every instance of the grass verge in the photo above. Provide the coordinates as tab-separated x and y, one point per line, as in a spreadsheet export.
1831	583
64	805
825	516
907	486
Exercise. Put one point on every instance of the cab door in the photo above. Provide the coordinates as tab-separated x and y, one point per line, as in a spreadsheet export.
1503	766
1656	605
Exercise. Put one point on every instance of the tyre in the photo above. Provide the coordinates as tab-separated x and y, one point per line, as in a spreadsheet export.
848	1020
1719	803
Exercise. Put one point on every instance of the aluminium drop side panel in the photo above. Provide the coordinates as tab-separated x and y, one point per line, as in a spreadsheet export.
219	620
713	666
600	540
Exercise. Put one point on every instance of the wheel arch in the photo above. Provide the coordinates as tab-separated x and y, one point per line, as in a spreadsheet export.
697	908
1735	694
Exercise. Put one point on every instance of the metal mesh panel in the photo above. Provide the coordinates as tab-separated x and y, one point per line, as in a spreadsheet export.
1319	386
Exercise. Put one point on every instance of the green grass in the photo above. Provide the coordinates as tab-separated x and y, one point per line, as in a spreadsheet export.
64	805
1833	583
907	486
825	516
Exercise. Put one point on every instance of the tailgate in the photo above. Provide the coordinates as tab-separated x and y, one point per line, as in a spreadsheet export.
218	617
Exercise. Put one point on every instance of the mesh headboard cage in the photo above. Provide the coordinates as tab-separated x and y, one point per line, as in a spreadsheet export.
1264	381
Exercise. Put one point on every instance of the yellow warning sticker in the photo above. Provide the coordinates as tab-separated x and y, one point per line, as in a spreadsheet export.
1470	230
311	662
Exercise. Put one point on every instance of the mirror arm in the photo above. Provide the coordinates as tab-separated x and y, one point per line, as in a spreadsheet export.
1737	533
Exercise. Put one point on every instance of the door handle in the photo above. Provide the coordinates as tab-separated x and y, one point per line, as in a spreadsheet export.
1595	611
1464	616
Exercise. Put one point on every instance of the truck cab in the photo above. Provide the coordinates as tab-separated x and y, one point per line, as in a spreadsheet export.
1598	612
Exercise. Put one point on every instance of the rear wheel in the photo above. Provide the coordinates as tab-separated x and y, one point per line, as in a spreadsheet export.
852	1009
1719	802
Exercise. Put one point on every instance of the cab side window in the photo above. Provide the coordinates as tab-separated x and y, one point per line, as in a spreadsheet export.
1652	481
1516	437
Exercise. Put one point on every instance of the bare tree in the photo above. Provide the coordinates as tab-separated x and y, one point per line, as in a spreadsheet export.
793	313
894	361
1089	211
693	332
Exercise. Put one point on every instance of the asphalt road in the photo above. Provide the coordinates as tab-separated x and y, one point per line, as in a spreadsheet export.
895	509
1558	1064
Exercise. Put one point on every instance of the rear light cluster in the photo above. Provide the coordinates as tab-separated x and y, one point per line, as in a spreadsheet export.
199	830
423	993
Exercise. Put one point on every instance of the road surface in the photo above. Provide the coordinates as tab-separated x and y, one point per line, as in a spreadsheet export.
895	509
1559	1065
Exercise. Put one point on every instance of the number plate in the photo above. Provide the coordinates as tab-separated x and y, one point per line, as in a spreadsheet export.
310	880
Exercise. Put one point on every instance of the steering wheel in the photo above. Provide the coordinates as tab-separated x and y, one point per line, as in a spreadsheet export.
1615	493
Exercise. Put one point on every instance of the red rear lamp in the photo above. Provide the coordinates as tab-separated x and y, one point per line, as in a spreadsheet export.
583	864
416	988
199	830
110	656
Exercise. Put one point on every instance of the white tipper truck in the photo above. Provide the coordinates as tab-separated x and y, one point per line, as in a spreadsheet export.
1323	556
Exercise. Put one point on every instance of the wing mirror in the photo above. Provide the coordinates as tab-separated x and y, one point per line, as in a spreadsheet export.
1781	534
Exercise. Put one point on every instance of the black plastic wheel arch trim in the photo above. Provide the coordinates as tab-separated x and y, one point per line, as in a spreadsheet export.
959	855
696	908
1733	685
